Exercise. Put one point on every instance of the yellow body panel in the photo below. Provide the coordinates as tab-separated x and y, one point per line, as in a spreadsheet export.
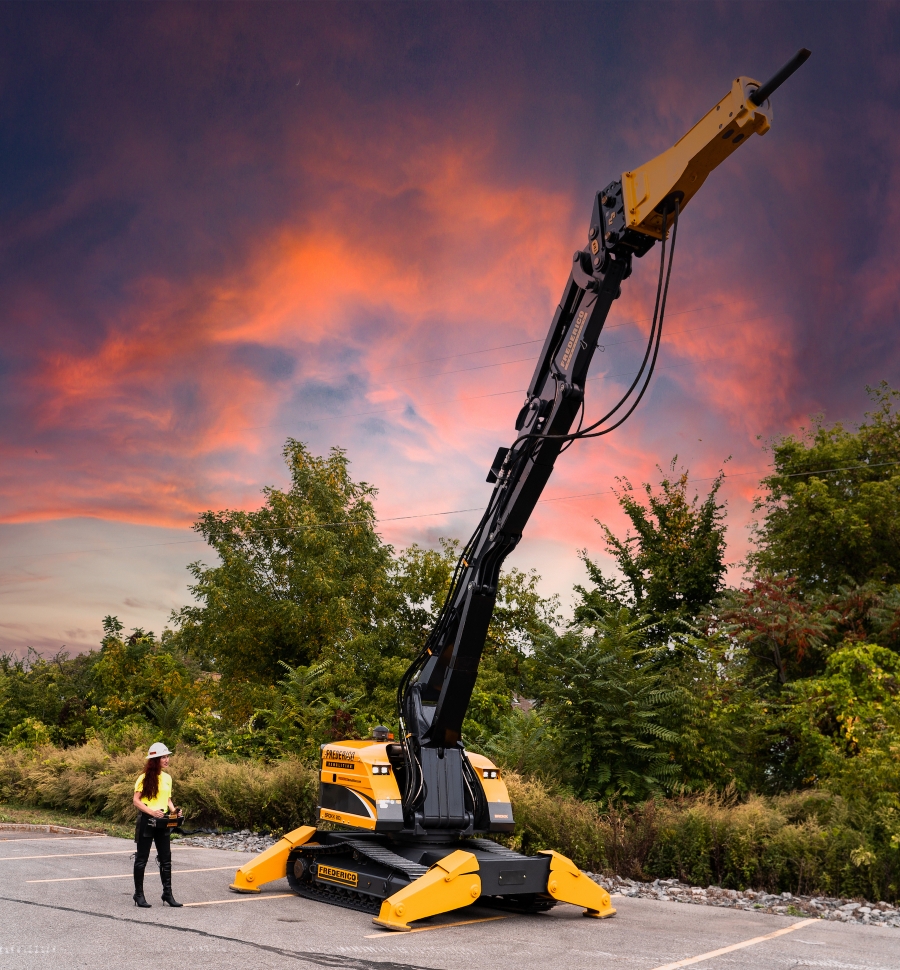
568	884
351	764
494	788
271	864
449	884
684	167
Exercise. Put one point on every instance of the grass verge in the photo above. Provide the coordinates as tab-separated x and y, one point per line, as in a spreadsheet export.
29	815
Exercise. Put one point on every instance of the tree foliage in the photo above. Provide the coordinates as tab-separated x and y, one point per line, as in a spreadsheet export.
831	507
610	702
300	579
672	565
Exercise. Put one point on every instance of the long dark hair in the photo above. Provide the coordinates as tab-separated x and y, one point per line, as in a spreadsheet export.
150	787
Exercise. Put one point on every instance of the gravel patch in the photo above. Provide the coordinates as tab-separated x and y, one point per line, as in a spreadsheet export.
785	904
243	841
671	890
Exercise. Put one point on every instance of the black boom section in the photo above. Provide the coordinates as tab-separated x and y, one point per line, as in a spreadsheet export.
444	805
436	701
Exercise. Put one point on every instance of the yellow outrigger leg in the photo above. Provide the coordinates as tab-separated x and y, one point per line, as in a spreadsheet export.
568	884
449	884
454	882
271	864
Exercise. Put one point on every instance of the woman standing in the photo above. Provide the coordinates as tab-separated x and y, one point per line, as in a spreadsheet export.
152	799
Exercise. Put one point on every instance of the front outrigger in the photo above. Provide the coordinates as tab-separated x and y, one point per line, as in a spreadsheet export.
411	811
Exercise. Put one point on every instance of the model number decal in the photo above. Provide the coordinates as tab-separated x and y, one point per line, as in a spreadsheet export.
330	816
343	876
346	765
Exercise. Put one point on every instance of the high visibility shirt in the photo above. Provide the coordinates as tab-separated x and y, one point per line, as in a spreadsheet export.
162	796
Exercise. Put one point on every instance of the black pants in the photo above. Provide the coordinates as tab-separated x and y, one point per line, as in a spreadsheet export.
147	836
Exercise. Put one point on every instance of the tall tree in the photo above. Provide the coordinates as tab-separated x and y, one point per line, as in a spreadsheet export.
673	564
831	507
612	706
299	579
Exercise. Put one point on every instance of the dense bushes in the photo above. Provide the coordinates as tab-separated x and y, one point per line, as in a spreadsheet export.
800	843
212	791
804	843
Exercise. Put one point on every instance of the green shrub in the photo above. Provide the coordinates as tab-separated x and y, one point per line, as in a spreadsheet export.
213	792
802	843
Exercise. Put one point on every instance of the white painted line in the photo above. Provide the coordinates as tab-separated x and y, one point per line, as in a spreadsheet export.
402	934
76	855
242	899
736	946
126	875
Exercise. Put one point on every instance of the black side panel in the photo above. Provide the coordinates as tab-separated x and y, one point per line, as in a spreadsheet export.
340	799
445	805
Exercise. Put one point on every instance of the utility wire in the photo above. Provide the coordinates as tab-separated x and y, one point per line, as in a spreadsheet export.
537	340
428	515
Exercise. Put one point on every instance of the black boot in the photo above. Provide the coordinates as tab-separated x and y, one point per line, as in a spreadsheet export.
165	874
139	887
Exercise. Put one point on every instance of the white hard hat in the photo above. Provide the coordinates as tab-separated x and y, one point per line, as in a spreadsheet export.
158	750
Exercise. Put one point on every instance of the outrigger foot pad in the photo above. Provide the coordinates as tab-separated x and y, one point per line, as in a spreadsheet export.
568	884
271	864
449	884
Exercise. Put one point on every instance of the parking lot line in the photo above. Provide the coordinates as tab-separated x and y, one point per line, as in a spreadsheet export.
241	899
735	946
126	875
76	855
384	934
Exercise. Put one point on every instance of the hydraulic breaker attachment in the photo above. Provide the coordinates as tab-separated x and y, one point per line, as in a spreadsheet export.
271	864
449	884
568	884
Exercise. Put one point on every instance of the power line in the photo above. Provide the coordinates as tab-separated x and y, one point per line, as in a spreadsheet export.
429	515
519	360
479	397
537	340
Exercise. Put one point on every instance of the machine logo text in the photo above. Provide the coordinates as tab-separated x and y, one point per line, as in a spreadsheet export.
343	876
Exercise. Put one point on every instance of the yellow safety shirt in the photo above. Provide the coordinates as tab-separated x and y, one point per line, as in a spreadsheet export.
162	796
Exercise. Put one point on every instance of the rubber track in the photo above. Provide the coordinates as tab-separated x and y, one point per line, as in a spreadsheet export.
337	897
347	898
385	857
486	845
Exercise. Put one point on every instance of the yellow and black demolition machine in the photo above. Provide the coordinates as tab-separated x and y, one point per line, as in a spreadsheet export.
412	812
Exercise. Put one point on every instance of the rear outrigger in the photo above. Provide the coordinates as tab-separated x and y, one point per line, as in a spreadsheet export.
411	811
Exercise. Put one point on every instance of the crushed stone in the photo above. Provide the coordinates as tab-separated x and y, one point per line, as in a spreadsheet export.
243	841
780	904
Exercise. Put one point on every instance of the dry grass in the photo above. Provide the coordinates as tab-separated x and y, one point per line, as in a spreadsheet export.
805	843
213	792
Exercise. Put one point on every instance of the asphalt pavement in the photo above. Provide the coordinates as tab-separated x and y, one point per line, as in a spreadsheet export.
66	901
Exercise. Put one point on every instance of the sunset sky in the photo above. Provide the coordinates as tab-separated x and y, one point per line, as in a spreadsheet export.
224	224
